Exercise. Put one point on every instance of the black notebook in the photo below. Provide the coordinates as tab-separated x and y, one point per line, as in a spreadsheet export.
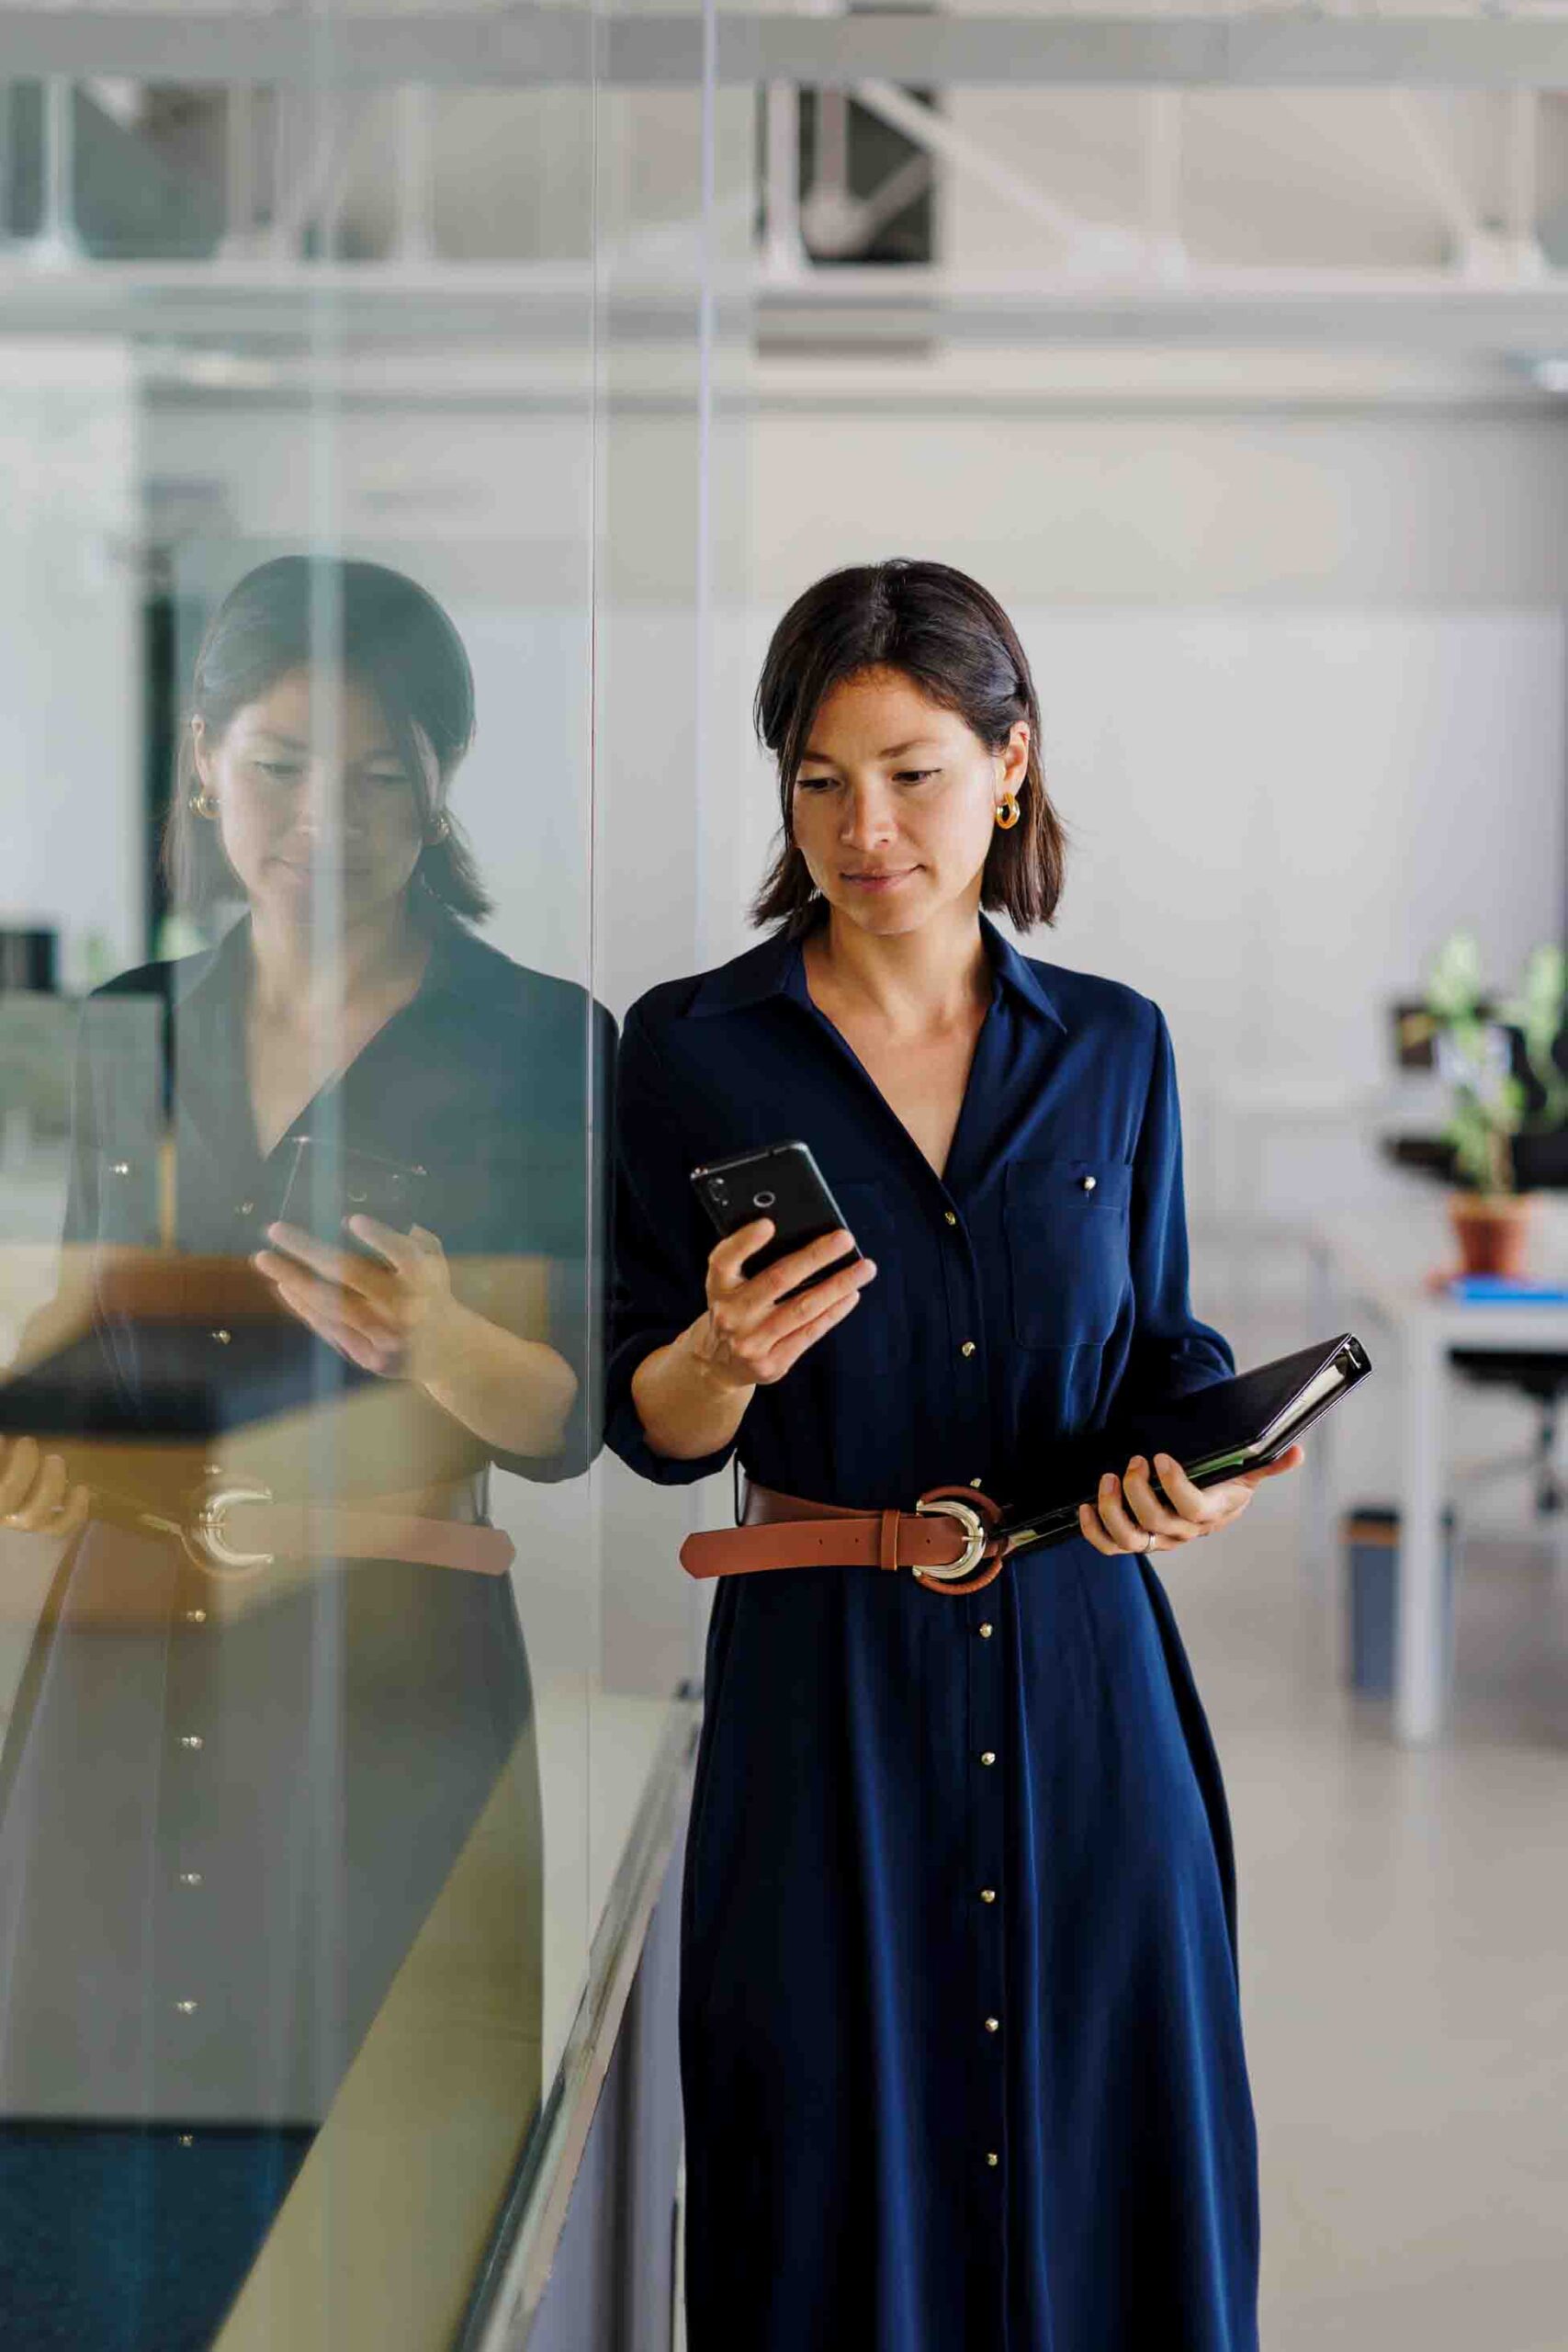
1230	1426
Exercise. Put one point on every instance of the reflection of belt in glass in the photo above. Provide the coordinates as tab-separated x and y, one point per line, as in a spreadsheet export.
791	1532
239	1531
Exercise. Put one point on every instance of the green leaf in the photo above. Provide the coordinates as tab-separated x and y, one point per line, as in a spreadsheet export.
1453	983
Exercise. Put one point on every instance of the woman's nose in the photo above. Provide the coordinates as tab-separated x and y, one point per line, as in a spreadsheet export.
328	804
869	818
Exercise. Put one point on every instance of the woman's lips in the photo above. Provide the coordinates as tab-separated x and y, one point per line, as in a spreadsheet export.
326	868
879	881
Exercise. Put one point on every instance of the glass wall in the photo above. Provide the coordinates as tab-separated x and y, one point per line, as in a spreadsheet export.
373	535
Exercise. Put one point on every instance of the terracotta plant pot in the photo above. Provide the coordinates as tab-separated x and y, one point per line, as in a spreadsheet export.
1493	1230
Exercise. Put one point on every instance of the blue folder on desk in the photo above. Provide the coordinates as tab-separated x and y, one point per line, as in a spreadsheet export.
1493	1290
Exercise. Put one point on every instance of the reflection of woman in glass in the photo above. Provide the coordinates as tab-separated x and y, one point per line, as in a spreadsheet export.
961	2046
281	1675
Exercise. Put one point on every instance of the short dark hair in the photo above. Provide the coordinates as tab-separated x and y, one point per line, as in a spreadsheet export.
950	638
383	629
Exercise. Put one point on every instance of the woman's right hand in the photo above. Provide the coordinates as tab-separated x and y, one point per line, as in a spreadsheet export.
36	1495
750	1334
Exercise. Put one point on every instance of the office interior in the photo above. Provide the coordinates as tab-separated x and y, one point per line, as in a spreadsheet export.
1234	370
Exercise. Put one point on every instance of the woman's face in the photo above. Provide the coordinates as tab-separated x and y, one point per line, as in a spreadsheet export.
312	794
894	786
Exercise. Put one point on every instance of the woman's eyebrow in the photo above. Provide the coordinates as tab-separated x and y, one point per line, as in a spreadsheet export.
892	753
292	744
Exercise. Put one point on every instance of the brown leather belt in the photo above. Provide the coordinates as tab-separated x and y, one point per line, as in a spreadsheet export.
238	1530
945	1542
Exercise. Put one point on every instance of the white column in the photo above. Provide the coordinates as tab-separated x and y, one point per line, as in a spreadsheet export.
57	243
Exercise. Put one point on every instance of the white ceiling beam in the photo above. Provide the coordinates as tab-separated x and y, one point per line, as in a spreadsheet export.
414	233
241	205
838	222
1420	309
783	250
533	45
1481	248
830	214
1438	168
1522	180
909	180
483	302
932	131
58	245
1162	184
314	182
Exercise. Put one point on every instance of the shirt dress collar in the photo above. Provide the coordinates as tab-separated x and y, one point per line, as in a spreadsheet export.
208	1059
222	972
775	968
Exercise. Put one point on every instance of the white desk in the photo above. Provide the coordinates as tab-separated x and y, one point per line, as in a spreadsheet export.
1380	1262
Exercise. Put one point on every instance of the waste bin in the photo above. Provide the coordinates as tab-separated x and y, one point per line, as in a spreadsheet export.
1370	1537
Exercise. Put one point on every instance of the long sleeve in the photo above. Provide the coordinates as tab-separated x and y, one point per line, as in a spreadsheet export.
1172	1351
659	1254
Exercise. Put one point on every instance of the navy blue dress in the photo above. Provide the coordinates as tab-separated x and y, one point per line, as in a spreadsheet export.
916	1814
171	2036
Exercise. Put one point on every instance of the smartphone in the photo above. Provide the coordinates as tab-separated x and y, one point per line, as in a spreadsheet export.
328	1182
781	1181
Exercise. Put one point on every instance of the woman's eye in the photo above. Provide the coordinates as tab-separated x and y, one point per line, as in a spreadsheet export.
386	775
281	771
814	782
914	776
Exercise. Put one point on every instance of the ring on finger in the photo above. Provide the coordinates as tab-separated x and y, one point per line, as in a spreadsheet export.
1121	1503
1153	1535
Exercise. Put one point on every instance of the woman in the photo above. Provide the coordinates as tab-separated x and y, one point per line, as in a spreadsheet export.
961	2043
249	1745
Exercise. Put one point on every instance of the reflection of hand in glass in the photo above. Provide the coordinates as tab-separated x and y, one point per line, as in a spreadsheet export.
389	1319
400	1319
35	1492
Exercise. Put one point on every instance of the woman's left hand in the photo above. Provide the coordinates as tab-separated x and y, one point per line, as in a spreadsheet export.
382	1317
1191	1512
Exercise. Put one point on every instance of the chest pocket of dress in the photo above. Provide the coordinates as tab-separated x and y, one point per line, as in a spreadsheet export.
1067	1239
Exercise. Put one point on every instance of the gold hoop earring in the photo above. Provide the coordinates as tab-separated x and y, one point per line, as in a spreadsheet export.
203	805
1008	804
440	830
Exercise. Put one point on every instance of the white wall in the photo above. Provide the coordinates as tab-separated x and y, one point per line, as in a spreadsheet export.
1303	688
1278	815
70	734
1168	505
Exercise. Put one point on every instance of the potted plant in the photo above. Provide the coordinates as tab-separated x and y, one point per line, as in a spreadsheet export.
1473	1050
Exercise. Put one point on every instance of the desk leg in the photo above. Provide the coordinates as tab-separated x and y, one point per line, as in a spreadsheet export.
1418	1694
